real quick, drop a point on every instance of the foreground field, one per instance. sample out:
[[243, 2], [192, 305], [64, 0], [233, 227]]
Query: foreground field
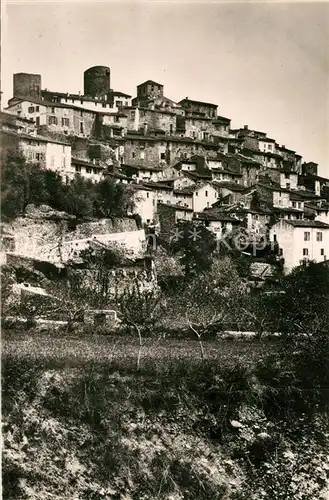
[[81, 423], [76, 349]]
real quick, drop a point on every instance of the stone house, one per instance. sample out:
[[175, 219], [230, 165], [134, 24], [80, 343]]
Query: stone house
[[285, 178], [140, 173], [163, 151], [150, 120], [88, 170], [56, 117], [48, 153], [217, 222], [111, 101], [199, 108], [197, 197], [14, 123], [169, 215]]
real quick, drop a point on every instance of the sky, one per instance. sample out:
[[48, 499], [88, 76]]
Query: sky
[[265, 64]]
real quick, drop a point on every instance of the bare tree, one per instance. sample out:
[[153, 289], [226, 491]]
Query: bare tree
[[140, 309]]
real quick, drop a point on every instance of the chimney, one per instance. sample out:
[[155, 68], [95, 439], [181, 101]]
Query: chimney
[[283, 146], [245, 127]]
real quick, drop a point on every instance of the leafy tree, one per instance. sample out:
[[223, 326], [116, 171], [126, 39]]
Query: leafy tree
[[79, 197], [195, 245], [56, 190], [22, 183], [111, 199]]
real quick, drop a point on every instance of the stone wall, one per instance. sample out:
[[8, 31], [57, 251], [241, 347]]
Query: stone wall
[[118, 279], [56, 240]]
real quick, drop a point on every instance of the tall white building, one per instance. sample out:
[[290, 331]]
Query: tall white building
[[301, 240]]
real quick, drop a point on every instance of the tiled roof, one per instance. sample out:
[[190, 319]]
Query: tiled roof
[[288, 210], [11, 116], [35, 100], [226, 171], [175, 206], [229, 185], [216, 216], [307, 223], [150, 81], [143, 167], [37, 138], [221, 119], [198, 102], [158, 185]]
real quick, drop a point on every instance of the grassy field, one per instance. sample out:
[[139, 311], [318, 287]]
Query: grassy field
[[79, 421], [70, 350]]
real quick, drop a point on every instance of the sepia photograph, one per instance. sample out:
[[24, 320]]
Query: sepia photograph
[[164, 250]]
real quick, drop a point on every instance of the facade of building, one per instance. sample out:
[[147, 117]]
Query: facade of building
[[300, 241], [198, 108], [218, 223], [49, 154], [144, 200], [62, 118]]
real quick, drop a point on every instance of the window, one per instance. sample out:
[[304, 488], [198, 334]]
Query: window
[[31, 109], [319, 236], [81, 101], [286, 176], [78, 169], [305, 251], [37, 121], [162, 156], [103, 104], [88, 170], [37, 108], [53, 110], [38, 156], [206, 193], [133, 155], [288, 185], [147, 195], [196, 194], [322, 251], [307, 236], [65, 122], [119, 104], [81, 127], [294, 204], [52, 120], [270, 146]]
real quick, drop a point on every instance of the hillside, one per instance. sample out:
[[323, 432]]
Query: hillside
[[91, 427]]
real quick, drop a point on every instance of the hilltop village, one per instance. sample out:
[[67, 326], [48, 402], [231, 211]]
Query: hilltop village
[[183, 161]]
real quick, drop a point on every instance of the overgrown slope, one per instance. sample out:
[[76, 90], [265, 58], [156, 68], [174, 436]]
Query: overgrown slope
[[173, 430]]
